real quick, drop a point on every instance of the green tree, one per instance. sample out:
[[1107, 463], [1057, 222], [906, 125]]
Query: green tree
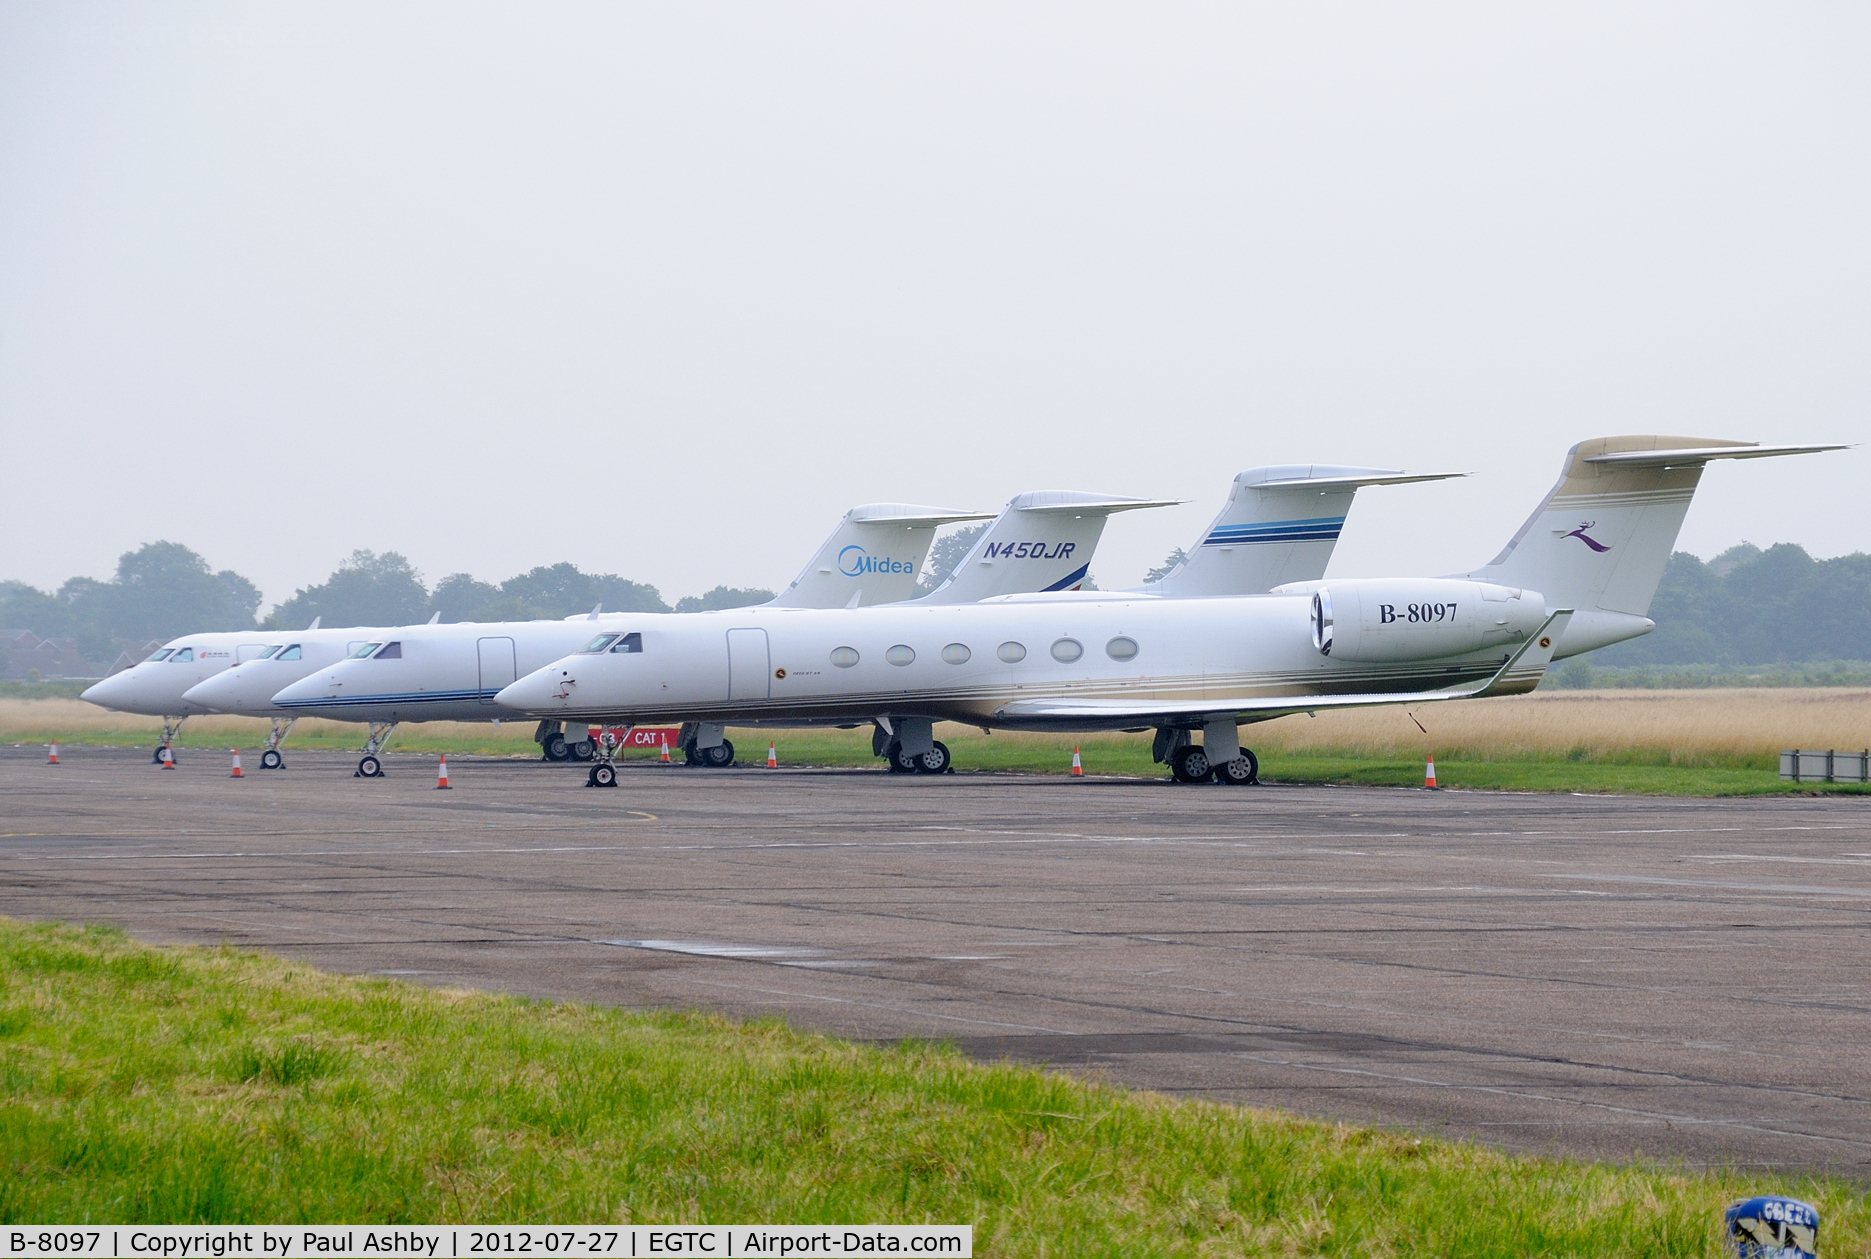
[[1173, 561], [722, 597], [949, 550], [367, 589]]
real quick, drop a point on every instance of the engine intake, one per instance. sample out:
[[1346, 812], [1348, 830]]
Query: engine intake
[[1395, 619]]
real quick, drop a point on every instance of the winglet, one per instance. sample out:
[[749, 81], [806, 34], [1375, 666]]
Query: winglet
[[1523, 670], [315, 621], [595, 609], [437, 618]]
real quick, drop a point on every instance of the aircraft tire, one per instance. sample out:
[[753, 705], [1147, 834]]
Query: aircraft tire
[[690, 755], [271, 759], [555, 747], [156, 756], [370, 767], [935, 761], [1242, 771], [898, 763], [583, 750], [603, 776], [718, 757], [1189, 764]]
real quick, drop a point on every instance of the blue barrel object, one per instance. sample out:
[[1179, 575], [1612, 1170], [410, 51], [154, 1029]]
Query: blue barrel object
[[1772, 1227]]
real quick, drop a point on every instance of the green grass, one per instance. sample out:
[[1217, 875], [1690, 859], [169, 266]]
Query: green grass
[[189, 1085]]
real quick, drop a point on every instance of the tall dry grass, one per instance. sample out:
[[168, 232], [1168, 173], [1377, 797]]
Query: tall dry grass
[[1710, 728]]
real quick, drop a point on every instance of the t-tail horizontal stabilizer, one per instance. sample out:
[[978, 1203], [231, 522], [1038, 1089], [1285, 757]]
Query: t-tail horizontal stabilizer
[[873, 556], [1279, 525], [1600, 539], [1043, 541]]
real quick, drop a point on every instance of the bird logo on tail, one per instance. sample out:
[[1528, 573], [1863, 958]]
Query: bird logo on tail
[[1580, 534]]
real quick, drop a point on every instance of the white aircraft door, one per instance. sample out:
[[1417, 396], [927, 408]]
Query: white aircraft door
[[748, 676], [497, 667]]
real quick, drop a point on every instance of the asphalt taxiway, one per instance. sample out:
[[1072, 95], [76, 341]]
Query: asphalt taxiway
[[1591, 975]]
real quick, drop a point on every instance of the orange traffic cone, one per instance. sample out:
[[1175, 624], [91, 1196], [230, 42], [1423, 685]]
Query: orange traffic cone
[[1429, 774], [168, 757], [236, 773], [665, 749], [53, 759], [773, 757], [1078, 769], [441, 775]]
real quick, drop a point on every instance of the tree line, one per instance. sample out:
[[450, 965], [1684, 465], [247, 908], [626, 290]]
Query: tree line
[[164, 589]]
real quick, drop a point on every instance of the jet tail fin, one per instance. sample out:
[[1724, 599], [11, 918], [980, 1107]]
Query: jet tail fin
[[1600, 539], [873, 556], [1279, 525], [1043, 540]]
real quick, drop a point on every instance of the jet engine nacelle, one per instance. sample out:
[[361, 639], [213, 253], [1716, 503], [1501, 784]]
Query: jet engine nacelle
[[1390, 618]]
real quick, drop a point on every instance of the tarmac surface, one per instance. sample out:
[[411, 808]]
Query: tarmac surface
[[1596, 976]]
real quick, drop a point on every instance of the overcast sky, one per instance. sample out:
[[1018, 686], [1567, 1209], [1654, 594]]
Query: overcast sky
[[664, 290]]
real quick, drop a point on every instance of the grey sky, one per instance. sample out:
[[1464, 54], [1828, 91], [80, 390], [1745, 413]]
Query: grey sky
[[663, 290]]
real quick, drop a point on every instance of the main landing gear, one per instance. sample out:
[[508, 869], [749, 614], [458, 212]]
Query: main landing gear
[[169, 730], [935, 761], [557, 743], [705, 745], [1190, 762], [370, 766], [908, 746], [270, 757]]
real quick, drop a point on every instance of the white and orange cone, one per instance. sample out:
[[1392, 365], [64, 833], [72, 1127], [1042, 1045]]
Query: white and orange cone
[[168, 757], [441, 775], [1429, 774], [773, 757], [53, 759], [1078, 768], [665, 749], [236, 773]]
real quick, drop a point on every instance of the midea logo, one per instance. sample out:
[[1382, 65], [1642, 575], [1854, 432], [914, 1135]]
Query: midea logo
[[853, 561]]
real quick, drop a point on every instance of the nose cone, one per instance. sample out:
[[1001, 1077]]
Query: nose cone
[[111, 692], [548, 690], [321, 686], [225, 692]]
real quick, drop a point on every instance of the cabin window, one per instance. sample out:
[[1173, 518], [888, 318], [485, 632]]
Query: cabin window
[[956, 653], [1066, 650], [1011, 653], [182, 656], [844, 657], [362, 650], [291, 653], [391, 651], [601, 643], [1121, 648], [900, 654], [159, 655], [629, 644]]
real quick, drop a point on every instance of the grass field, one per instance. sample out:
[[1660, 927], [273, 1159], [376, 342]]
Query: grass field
[[1696, 742], [189, 1085]]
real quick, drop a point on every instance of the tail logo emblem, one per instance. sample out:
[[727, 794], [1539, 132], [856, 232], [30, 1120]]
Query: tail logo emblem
[[1581, 535]]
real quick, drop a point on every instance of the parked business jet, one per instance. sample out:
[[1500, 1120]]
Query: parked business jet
[[159, 686], [1592, 553], [452, 672], [894, 538]]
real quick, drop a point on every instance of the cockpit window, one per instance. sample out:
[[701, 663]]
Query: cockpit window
[[159, 655], [267, 654], [182, 655], [629, 642], [391, 651], [291, 653], [601, 642], [363, 649]]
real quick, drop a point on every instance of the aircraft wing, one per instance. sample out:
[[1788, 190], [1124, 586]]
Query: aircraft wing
[[1520, 672]]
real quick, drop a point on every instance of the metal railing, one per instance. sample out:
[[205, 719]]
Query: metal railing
[[1801, 766]]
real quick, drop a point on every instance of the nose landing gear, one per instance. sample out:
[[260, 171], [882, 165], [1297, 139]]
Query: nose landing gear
[[169, 730], [371, 766], [270, 758], [604, 773]]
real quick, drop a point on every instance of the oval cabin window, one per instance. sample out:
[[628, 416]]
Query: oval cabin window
[[956, 653], [1121, 648], [844, 657], [1012, 653], [900, 655], [1066, 650]]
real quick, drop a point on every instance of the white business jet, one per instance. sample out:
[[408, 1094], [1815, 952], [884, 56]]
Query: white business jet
[[452, 672], [883, 544], [1591, 555], [161, 685]]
